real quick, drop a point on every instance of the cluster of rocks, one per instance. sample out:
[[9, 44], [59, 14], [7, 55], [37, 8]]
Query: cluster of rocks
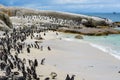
[[91, 31]]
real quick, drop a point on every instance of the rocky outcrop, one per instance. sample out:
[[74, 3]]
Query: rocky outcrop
[[91, 31], [88, 21], [5, 19], [117, 24], [5, 23]]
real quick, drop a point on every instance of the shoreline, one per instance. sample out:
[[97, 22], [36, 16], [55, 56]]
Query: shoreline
[[104, 50], [100, 47], [95, 45]]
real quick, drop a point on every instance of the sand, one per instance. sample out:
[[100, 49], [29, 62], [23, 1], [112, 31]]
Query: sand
[[73, 57]]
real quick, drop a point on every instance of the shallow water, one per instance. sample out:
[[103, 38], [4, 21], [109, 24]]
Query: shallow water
[[110, 44]]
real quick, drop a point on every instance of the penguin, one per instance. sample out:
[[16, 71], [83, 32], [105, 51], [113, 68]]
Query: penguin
[[72, 78], [67, 77], [28, 50], [42, 61], [35, 62]]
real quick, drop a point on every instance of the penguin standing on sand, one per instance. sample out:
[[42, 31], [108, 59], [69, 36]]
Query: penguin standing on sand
[[28, 50], [35, 62], [11, 64], [28, 70], [31, 45], [72, 78], [68, 77], [42, 61], [8, 70], [24, 74], [41, 48], [2, 65], [34, 75], [49, 48]]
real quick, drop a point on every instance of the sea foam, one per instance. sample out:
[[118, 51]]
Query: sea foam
[[107, 50]]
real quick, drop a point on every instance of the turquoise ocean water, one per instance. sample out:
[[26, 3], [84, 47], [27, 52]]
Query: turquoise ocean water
[[109, 44]]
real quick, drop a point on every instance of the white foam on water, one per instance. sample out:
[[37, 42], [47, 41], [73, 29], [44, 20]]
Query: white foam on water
[[107, 50], [68, 39]]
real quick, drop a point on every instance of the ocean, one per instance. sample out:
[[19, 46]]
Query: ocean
[[114, 17], [110, 43]]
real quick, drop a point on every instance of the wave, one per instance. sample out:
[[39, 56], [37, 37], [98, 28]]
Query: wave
[[107, 50]]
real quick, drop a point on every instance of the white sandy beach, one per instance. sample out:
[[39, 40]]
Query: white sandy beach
[[73, 57]]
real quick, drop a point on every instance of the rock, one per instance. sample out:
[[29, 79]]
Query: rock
[[79, 37], [102, 27], [53, 75], [5, 23], [88, 21], [3, 26], [91, 31], [116, 24]]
